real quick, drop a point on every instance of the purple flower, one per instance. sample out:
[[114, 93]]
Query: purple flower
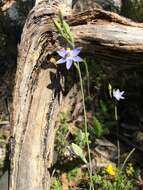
[[69, 56], [117, 94]]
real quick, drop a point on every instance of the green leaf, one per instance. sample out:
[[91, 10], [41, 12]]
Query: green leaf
[[103, 107], [79, 152], [58, 27], [67, 31], [61, 18], [98, 128], [66, 27]]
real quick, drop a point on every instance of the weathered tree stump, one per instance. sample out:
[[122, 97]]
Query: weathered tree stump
[[38, 93]]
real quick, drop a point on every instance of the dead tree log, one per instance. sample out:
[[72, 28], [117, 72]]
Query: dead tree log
[[38, 93], [108, 37]]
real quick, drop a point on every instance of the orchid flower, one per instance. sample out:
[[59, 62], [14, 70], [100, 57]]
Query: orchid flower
[[118, 95], [69, 56]]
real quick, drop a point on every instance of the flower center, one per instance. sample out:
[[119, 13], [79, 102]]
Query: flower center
[[68, 52]]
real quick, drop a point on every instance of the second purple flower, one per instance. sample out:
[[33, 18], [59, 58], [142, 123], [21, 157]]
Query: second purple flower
[[69, 56]]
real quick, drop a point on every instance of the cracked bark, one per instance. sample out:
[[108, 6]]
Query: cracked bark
[[37, 97]]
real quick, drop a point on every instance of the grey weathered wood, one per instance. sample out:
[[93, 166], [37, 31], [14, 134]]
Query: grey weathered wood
[[103, 35], [109, 37], [35, 106]]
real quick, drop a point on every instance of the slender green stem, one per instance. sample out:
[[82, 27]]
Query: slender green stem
[[69, 42], [62, 28], [117, 133], [127, 158], [116, 114], [85, 124], [87, 75], [118, 149]]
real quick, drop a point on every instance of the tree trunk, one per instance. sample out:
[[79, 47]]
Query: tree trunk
[[37, 95], [108, 37], [35, 105]]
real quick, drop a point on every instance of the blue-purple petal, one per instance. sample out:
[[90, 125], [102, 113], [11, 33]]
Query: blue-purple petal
[[60, 61], [75, 51], [77, 59], [69, 64], [62, 53]]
